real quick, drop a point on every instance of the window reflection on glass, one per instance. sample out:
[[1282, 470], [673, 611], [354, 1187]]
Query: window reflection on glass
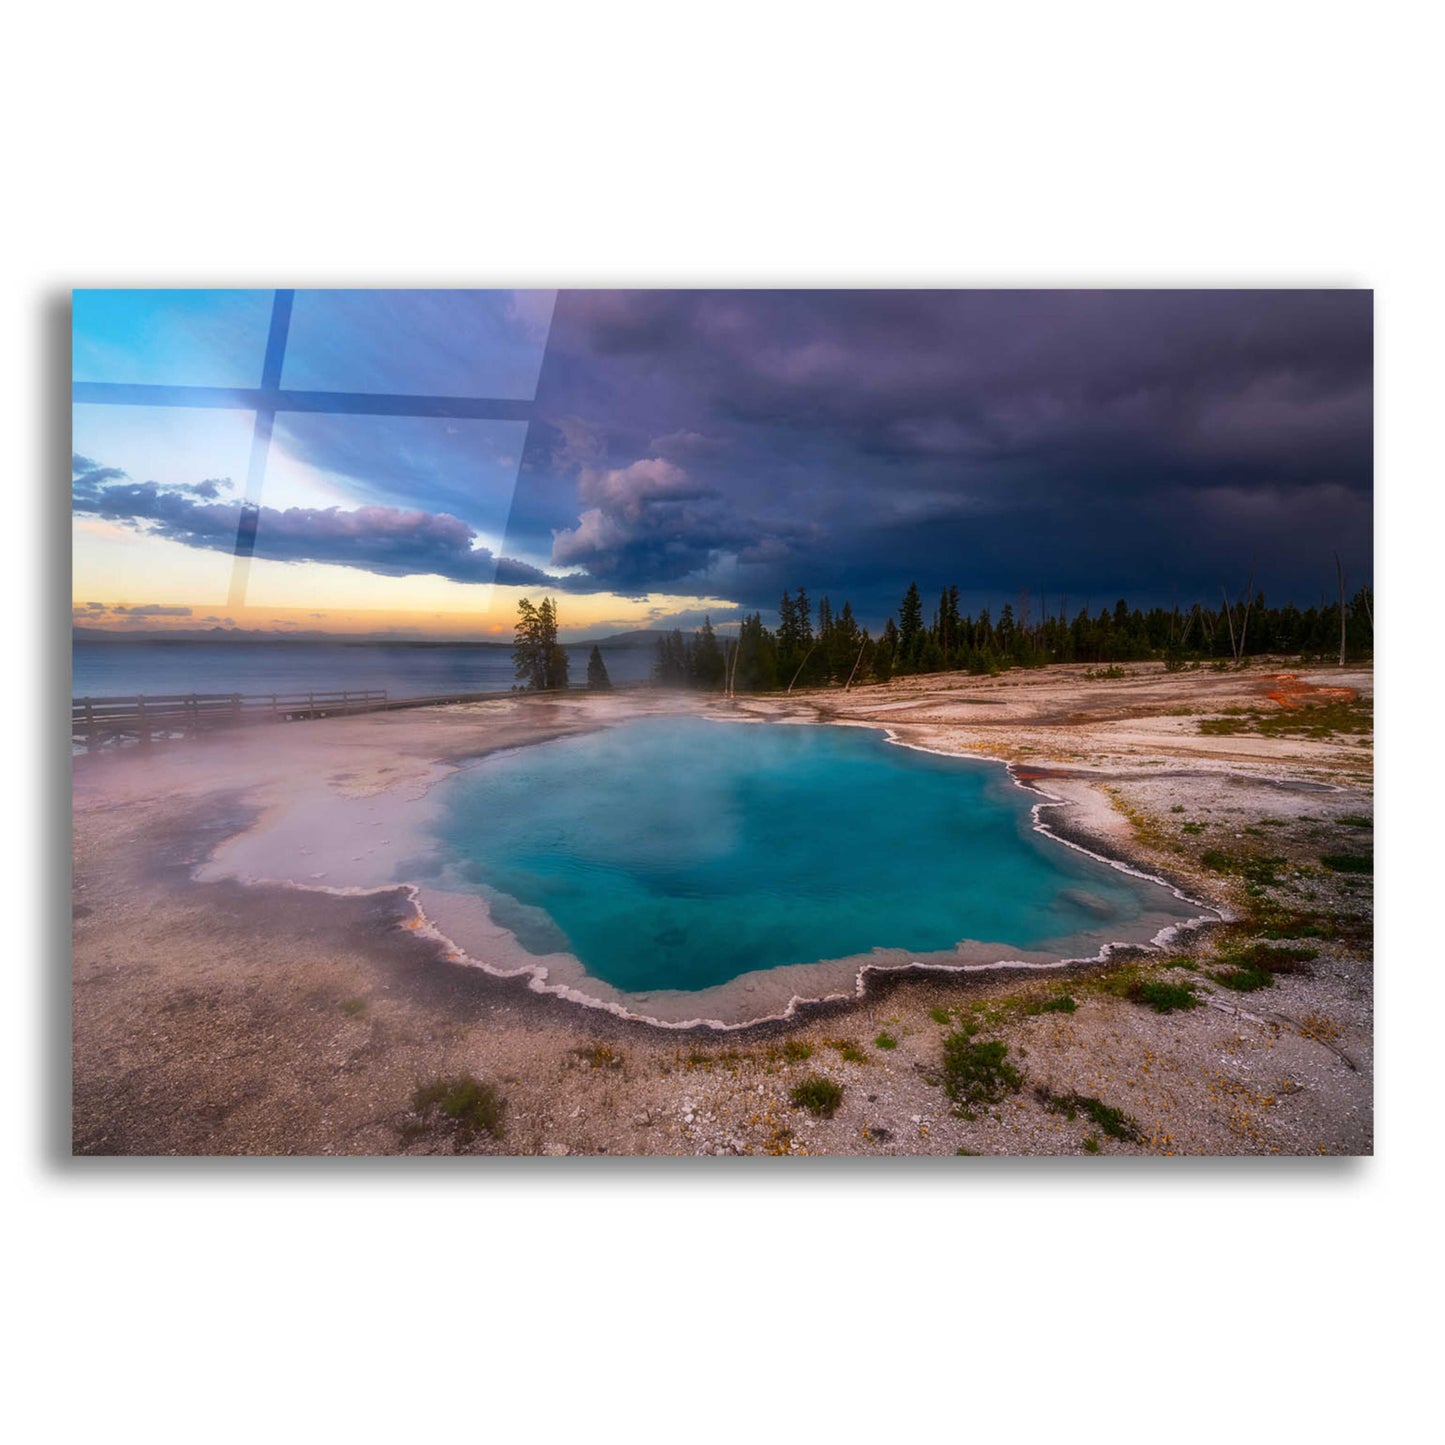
[[439, 491], [156, 492], [171, 338], [418, 343], [380, 440]]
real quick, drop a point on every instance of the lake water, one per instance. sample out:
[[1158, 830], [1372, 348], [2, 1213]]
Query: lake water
[[679, 853], [124, 669]]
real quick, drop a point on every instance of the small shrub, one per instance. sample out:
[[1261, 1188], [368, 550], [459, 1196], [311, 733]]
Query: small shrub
[[885, 1040], [465, 1102], [1244, 980], [977, 1072], [796, 1050], [940, 1015], [1113, 1122], [1348, 863], [1273, 958], [1163, 998], [1252, 867], [849, 1049], [1091, 1143], [818, 1096], [1063, 1004], [1248, 969], [599, 1056], [1316, 1026], [1275, 923]]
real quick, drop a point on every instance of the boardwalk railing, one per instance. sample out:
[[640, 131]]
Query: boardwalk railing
[[96, 722]]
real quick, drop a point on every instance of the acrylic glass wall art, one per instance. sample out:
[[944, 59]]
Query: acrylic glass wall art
[[723, 722]]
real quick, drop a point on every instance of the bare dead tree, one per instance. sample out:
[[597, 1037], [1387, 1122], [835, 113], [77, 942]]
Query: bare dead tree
[[1248, 603], [1188, 623], [733, 676], [1340, 573], [856, 661], [802, 665], [1229, 617]]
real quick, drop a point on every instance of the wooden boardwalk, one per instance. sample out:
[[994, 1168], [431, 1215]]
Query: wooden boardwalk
[[101, 722]]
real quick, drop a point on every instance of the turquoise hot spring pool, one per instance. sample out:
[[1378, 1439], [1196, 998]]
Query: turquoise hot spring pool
[[679, 853]]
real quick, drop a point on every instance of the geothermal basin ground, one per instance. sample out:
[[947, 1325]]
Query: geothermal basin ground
[[342, 1006]]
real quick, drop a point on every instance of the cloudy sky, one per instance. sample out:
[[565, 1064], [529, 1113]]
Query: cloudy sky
[[647, 456]]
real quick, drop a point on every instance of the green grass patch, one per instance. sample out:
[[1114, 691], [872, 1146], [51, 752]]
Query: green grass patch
[[977, 1071], [1348, 862], [1063, 1004], [796, 1050], [1355, 820], [850, 1049], [818, 1096], [1243, 980], [1256, 868], [463, 1101], [1163, 998], [1321, 721], [1249, 969], [1283, 923], [940, 1015], [885, 1040], [1272, 958], [353, 1008], [1113, 1122]]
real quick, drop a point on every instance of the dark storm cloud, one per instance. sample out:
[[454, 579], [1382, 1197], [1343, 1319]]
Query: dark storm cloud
[[390, 541], [1091, 441]]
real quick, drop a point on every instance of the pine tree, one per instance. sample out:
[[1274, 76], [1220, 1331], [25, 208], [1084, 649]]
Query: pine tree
[[705, 659], [556, 654], [597, 679], [910, 629], [528, 658], [757, 661], [538, 659], [886, 653], [670, 669]]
